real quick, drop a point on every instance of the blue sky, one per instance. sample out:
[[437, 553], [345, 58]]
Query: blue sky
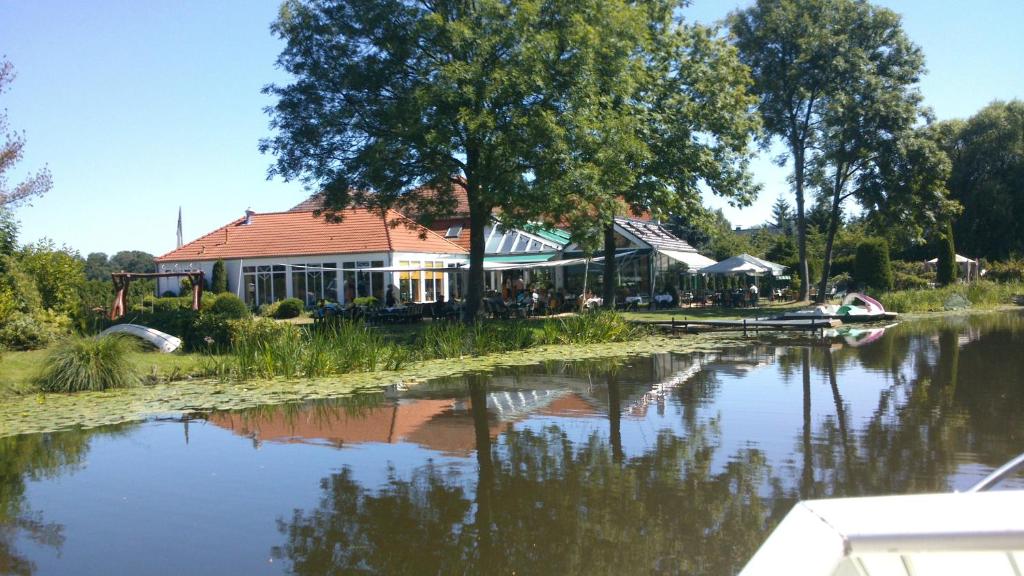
[[139, 107]]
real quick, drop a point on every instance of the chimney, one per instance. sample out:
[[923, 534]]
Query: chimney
[[248, 216]]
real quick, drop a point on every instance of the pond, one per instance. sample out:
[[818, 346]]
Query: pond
[[673, 463]]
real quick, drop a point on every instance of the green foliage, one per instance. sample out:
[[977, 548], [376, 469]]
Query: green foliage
[[289, 308], [589, 329], [97, 266], [8, 232], [980, 294], [946, 267], [219, 281], [58, 272], [22, 331], [987, 152], [911, 275], [1011, 270], [230, 306], [871, 268], [90, 364]]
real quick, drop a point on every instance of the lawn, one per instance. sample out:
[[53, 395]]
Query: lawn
[[19, 369]]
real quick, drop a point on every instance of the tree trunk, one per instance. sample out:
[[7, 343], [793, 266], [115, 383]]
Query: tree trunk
[[610, 266], [479, 214], [801, 222], [833, 227], [807, 477], [615, 417]]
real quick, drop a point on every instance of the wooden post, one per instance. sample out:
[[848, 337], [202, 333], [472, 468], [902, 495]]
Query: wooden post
[[744, 327], [673, 325]]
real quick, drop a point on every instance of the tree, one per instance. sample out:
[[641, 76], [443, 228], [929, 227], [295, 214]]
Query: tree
[[395, 102], [987, 154], [97, 266], [58, 272], [795, 51], [133, 261], [689, 123], [782, 215], [219, 280], [863, 118], [946, 267], [12, 146]]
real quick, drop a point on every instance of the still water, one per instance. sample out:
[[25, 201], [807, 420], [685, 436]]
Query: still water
[[674, 464]]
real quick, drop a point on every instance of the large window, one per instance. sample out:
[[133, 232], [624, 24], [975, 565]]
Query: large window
[[315, 281], [264, 284], [359, 284]]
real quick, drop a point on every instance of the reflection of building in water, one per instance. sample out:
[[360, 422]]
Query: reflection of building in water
[[446, 425]]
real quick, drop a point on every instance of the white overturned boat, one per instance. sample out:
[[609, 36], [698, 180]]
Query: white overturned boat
[[975, 532], [856, 307], [162, 341]]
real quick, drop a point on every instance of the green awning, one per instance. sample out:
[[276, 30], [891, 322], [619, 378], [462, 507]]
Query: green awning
[[522, 258]]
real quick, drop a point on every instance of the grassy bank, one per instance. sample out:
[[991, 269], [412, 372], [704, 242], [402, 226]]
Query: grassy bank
[[981, 295], [52, 412], [713, 312]]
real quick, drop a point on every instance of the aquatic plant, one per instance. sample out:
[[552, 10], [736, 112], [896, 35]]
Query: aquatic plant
[[592, 328], [90, 364], [980, 294]]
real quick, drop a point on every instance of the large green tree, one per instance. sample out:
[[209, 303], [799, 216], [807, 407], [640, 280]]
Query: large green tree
[[987, 154], [681, 117], [395, 102], [795, 51], [865, 115], [12, 150]]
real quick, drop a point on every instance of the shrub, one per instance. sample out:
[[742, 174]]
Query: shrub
[[946, 267], [367, 301], [871, 267], [230, 306], [289, 308], [219, 282], [1007, 271], [903, 281], [90, 364], [21, 331], [980, 294]]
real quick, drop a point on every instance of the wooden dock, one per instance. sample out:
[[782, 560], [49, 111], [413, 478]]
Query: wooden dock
[[745, 325]]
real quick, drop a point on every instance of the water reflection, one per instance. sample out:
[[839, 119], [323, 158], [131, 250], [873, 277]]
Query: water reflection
[[666, 464]]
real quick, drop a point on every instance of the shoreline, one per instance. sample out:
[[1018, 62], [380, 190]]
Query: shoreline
[[51, 412]]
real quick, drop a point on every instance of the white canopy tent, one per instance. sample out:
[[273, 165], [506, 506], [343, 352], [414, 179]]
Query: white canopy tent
[[968, 268], [694, 261], [744, 264]]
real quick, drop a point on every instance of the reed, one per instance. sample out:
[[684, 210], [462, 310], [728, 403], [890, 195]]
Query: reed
[[981, 294], [79, 364], [591, 328]]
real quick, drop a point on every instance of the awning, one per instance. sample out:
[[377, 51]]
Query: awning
[[490, 265], [744, 264], [693, 260], [521, 258]]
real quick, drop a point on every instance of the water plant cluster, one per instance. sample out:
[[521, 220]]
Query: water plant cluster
[[979, 294], [79, 364], [262, 349]]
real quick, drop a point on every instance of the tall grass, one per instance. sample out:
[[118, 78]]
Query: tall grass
[[593, 328], [265, 349], [79, 364], [981, 294]]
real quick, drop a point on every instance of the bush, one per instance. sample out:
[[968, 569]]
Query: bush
[[367, 301], [230, 306], [980, 294], [90, 364], [289, 308], [872, 268], [1007, 271], [21, 331], [903, 281]]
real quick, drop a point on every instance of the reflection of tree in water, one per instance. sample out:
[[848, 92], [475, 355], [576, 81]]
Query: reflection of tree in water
[[544, 504], [34, 457], [953, 389]]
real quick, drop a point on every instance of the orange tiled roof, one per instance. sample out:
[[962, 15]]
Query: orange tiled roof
[[301, 234]]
